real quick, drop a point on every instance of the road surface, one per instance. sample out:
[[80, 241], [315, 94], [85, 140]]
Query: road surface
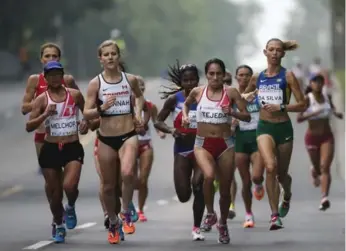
[[25, 217]]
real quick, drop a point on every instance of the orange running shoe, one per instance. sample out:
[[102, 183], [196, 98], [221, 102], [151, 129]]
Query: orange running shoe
[[128, 225], [113, 234], [249, 221], [258, 192]]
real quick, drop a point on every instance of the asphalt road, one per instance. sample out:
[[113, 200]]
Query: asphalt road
[[25, 217]]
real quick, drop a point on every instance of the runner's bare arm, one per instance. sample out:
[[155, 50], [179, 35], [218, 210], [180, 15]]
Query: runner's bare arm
[[139, 99], [37, 115], [147, 114], [27, 103], [252, 84], [191, 99], [90, 111], [153, 115], [167, 108], [300, 105], [243, 114], [70, 82]]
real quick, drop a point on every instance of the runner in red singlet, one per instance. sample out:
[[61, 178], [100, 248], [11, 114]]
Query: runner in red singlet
[[145, 151], [36, 84], [57, 109]]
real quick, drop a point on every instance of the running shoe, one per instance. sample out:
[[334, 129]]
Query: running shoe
[[275, 223], [113, 233], [53, 230], [204, 227], [231, 212], [60, 234], [134, 215], [197, 235], [210, 220], [70, 217], [284, 208], [106, 222], [224, 237], [121, 231], [128, 225], [325, 204], [142, 217], [258, 192], [249, 221]]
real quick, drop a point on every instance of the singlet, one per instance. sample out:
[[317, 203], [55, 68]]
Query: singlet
[[178, 114], [42, 85], [253, 108], [122, 91], [273, 90], [64, 123], [210, 111], [314, 106], [147, 135]]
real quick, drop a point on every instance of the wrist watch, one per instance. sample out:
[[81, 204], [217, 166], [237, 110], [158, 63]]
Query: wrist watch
[[282, 107]]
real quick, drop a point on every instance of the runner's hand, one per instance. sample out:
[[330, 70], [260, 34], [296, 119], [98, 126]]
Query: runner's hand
[[83, 127], [338, 115], [177, 134], [185, 122], [110, 101], [50, 110], [272, 108]]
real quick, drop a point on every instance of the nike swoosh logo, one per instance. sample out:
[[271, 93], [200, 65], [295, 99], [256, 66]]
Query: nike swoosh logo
[[263, 81], [124, 139]]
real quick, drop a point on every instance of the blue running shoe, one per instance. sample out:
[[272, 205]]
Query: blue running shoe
[[133, 212], [121, 231], [53, 230], [60, 235], [70, 217]]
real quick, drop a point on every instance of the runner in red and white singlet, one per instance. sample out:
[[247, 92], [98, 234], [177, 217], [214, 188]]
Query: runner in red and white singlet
[[36, 85], [57, 110], [145, 151], [214, 147]]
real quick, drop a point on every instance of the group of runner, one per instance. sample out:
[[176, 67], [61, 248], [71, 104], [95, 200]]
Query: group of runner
[[216, 129]]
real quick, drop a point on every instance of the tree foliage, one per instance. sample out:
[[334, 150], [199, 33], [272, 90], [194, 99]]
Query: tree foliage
[[158, 32], [24, 21]]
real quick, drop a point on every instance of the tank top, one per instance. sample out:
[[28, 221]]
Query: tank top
[[253, 108], [42, 85], [147, 135], [314, 106], [210, 111], [273, 90], [178, 114], [121, 90], [64, 123]]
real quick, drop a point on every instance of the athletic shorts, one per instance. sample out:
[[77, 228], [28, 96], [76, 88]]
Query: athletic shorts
[[215, 146], [183, 150], [281, 132], [115, 142], [39, 137], [55, 155], [246, 142], [315, 141]]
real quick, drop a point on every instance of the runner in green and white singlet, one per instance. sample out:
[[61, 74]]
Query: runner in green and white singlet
[[247, 151]]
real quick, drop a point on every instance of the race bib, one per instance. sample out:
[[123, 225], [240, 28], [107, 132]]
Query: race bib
[[63, 127], [273, 97], [193, 119]]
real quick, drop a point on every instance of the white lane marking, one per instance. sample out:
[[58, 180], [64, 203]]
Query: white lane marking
[[162, 202], [38, 245], [42, 244], [11, 190], [85, 225]]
